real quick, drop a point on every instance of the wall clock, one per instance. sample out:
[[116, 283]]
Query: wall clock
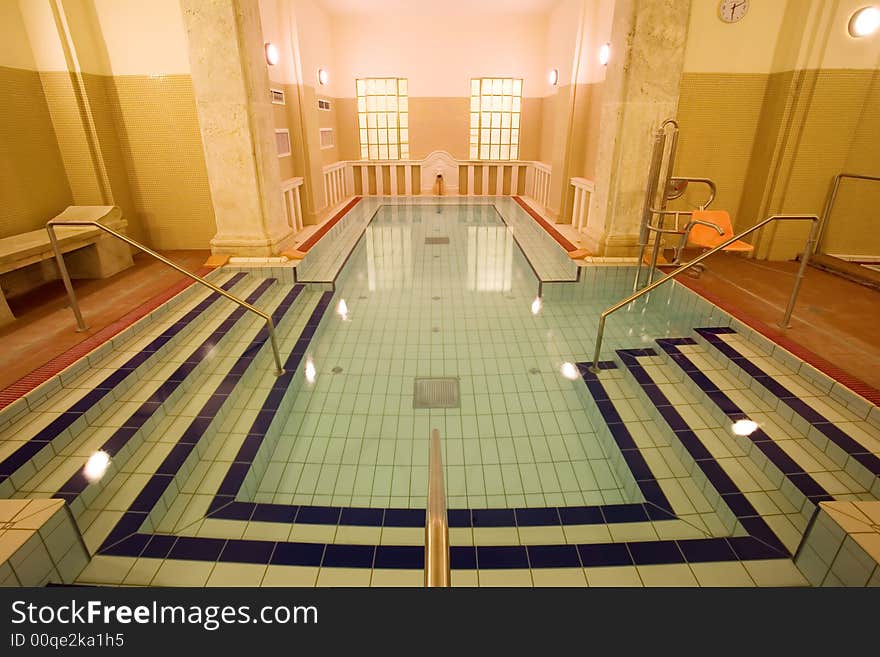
[[730, 11]]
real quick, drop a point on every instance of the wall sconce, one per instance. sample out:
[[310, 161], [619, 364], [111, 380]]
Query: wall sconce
[[554, 77], [323, 77], [864, 22], [604, 54], [272, 53]]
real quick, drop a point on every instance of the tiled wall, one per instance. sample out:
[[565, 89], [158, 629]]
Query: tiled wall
[[731, 124], [34, 186], [158, 132]]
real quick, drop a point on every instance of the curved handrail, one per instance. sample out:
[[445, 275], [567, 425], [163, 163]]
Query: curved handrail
[[832, 196], [808, 248], [81, 325], [436, 526]]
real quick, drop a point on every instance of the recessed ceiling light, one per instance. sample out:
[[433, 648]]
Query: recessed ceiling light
[[864, 22]]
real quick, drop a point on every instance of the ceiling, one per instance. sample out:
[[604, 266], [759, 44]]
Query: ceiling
[[430, 7]]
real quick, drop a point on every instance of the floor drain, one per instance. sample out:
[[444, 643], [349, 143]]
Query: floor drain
[[436, 329], [439, 392], [534, 370], [435, 298], [436, 240], [363, 296], [336, 370]]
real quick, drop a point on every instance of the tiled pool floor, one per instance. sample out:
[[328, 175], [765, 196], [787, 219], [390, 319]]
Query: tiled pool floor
[[223, 473]]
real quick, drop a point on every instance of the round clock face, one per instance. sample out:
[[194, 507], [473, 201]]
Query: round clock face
[[730, 11]]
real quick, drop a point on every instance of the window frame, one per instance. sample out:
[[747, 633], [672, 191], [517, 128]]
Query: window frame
[[495, 119], [383, 123]]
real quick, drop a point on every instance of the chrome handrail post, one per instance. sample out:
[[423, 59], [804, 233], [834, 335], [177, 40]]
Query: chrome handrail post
[[50, 228], [805, 260], [777, 217], [65, 276], [436, 525]]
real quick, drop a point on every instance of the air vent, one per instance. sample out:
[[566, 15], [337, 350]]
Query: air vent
[[282, 142], [323, 104], [327, 140], [277, 96], [436, 240], [436, 393]]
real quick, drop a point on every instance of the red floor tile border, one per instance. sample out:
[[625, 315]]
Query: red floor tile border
[[555, 234], [318, 234], [855, 384], [25, 384]]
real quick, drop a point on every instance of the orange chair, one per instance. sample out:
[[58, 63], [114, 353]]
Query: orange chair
[[706, 230], [709, 228]]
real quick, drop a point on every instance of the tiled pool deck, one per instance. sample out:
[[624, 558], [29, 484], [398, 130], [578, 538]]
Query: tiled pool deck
[[223, 473]]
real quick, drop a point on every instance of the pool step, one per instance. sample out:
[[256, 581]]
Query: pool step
[[32, 441], [139, 413], [837, 421], [145, 453], [202, 451]]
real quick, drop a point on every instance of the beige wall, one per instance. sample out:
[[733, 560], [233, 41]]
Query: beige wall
[[112, 121], [33, 183], [772, 107]]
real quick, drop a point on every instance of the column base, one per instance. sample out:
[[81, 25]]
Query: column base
[[251, 246]]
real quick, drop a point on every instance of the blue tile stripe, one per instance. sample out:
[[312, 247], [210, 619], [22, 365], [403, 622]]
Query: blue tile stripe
[[91, 399], [802, 480], [849, 445], [137, 512], [730, 494], [74, 486], [126, 539]]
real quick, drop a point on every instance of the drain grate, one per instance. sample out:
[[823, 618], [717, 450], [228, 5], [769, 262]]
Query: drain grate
[[436, 393], [436, 240]]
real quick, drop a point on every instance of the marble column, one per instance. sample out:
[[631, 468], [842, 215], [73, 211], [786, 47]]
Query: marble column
[[231, 84], [640, 91]]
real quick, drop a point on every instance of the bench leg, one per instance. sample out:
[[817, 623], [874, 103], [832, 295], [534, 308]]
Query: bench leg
[[108, 256]]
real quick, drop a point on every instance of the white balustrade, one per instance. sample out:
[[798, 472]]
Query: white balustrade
[[580, 210], [292, 202], [539, 189], [462, 177], [334, 184]]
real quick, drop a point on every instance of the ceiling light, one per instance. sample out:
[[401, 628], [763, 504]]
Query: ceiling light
[[323, 77], [864, 22], [272, 53], [554, 77], [604, 54]]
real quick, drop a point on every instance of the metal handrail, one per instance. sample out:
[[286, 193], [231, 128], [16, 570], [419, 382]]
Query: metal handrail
[[832, 196], [436, 527], [786, 319], [80, 323]]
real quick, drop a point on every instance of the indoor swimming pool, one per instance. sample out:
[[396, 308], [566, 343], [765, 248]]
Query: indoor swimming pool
[[696, 456]]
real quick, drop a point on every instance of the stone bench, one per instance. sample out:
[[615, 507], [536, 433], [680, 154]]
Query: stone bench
[[27, 260]]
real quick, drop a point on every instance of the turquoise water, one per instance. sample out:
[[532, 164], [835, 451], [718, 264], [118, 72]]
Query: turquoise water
[[463, 309]]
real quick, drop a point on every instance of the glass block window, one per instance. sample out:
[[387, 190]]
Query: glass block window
[[383, 118], [495, 112]]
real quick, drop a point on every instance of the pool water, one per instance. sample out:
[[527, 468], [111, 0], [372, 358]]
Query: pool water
[[222, 473]]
